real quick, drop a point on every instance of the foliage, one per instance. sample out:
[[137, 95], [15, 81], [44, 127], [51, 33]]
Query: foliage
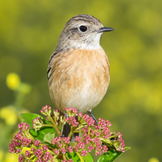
[[42, 140]]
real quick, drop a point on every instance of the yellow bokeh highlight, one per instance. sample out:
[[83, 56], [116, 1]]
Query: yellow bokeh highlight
[[13, 81], [1, 155], [11, 157], [153, 159], [9, 115]]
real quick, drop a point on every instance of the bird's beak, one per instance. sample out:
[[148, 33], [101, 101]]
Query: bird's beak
[[105, 29]]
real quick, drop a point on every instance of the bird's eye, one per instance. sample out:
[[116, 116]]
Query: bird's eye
[[83, 28]]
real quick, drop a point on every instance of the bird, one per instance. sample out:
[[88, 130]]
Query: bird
[[78, 70]]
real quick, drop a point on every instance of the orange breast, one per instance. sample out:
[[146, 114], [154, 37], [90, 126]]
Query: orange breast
[[79, 79]]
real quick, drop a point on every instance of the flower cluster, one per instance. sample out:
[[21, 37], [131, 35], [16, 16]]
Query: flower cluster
[[36, 150], [21, 139], [46, 110], [92, 136], [37, 123], [119, 142]]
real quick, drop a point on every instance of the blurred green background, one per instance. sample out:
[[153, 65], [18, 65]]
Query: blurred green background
[[29, 32]]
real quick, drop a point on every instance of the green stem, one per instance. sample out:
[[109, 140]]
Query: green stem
[[89, 130], [75, 130], [19, 100], [58, 131], [70, 134], [47, 125], [55, 126], [81, 159], [64, 157]]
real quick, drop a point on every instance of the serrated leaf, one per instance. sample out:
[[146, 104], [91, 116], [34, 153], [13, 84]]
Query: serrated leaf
[[111, 155], [39, 135]]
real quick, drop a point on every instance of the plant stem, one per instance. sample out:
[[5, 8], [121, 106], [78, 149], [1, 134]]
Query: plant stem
[[81, 159], [70, 134], [55, 126], [47, 125]]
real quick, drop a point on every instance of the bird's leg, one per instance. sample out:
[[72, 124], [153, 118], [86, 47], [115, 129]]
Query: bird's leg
[[75, 134], [90, 113], [66, 129]]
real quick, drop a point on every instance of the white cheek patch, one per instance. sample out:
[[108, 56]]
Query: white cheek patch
[[94, 43]]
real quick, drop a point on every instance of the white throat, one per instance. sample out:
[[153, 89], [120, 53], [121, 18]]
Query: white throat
[[94, 43]]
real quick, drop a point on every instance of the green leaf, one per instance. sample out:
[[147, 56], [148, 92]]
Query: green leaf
[[87, 158], [73, 156], [49, 137], [39, 135], [28, 118], [76, 158], [111, 155]]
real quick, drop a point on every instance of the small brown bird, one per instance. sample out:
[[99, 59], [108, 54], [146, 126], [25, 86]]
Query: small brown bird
[[78, 70]]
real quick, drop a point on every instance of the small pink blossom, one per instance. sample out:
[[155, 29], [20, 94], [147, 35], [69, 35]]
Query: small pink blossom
[[47, 156], [90, 147], [36, 142], [66, 140], [97, 134], [21, 158], [38, 153], [46, 110], [89, 120], [44, 147], [75, 148], [87, 138], [56, 140], [67, 160], [56, 151], [72, 121], [104, 149], [63, 151], [70, 149], [80, 114], [23, 126], [84, 153], [20, 140], [27, 154], [71, 111]]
